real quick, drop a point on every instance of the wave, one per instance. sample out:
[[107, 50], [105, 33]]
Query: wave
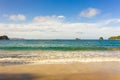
[[53, 48], [51, 57], [58, 61], [59, 45]]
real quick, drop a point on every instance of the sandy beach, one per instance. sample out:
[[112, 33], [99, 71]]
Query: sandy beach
[[70, 71], [59, 60], [59, 39]]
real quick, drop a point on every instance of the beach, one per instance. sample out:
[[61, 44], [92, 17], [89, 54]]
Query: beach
[[71, 71], [59, 39], [59, 60]]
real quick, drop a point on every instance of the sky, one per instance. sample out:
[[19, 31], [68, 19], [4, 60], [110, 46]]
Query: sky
[[59, 19]]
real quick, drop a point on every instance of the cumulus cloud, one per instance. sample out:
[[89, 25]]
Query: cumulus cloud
[[61, 17], [54, 27], [48, 18], [90, 12], [18, 17], [59, 30], [111, 21]]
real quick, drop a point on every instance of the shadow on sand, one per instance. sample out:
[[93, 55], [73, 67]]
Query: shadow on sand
[[23, 76]]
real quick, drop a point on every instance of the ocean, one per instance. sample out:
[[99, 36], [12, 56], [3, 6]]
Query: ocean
[[58, 51], [62, 45]]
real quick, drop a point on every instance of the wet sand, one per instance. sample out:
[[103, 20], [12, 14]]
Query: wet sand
[[71, 71]]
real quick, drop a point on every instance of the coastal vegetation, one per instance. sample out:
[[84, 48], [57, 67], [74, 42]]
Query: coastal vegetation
[[4, 37], [114, 38]]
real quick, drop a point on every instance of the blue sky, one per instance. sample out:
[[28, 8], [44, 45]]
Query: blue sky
[[59, 18], [68, 8]]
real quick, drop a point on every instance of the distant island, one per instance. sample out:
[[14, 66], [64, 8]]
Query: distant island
[[114, 38], [77, 38], [101, 38], [4, 37]]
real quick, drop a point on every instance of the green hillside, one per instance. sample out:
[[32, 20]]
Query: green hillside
[[114, 38]]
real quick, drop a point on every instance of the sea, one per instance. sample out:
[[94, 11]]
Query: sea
[[13, 52]]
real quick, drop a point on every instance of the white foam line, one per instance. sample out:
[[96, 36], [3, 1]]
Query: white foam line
[[72, 60], [10, 59]]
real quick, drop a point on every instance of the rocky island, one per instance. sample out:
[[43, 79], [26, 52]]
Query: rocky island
[[101, 38], [77, 38], [4, 37], [114, 38]]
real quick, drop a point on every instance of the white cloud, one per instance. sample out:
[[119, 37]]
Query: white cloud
[[61, 17], [50, 27], [90, 12], [115, 20], [18, 17], [48, 18]]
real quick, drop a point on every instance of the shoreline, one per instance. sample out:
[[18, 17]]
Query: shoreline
[[60, 65], [56, 57]]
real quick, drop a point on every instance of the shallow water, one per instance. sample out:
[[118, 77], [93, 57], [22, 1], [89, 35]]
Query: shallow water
[[63, 45], [58, 51], [48, 57]]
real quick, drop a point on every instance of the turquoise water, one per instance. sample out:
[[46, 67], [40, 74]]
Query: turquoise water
[[58, 51], [61, 45]]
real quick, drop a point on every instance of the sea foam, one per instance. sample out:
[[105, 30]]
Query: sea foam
[[51, 57]]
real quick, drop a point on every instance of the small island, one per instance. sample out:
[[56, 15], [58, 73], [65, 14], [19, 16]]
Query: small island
[[114, 38], [4, 37], [77, 38], [101, 38]]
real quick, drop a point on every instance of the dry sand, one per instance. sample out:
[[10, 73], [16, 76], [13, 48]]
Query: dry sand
[[71, 71]]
